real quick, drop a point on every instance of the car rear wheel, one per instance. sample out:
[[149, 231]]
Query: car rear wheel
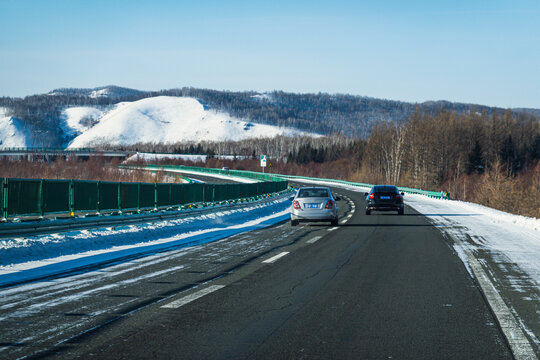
[[294, 222], [334, 222], [368, 212], [400, 212]]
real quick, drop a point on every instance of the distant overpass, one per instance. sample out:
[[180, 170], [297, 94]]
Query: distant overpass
[[47, 153]]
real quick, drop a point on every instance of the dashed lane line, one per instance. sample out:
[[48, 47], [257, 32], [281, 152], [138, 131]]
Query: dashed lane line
[[275, 258], [187, 299], [314, 240], [332, 229]]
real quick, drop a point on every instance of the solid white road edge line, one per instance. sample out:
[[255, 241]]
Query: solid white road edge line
[[332, 229], [187, 299], [314, 240], [275, 258], [519, 345]]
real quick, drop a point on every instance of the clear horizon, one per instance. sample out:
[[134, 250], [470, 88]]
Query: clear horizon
[[473, 52]]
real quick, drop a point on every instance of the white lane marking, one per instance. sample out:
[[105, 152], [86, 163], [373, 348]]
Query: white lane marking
[[187, 299], [275, 258], [332, 229], [344, 221], [520, 346], [314, 240]]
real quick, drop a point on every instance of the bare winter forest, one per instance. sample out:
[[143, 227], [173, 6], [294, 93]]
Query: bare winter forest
[[488, 158]]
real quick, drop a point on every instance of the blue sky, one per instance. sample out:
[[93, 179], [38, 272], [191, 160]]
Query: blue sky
[[485, 52]]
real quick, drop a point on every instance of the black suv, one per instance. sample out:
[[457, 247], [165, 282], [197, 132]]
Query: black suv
[[384, 198]]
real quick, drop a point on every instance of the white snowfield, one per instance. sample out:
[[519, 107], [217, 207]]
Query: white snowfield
[[79, 119], [12, 133], [162, 119]]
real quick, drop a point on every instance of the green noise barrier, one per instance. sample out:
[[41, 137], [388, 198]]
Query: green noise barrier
[[278, 177], [40, 197]]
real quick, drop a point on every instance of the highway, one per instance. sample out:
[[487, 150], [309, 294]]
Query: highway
[[376, 287]]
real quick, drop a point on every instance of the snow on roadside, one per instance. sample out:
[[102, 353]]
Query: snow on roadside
[[217, 176], [28, 258], [237, 179], [516, 237]]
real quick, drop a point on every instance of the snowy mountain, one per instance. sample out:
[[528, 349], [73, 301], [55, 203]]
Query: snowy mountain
[[62, 114], [12, 132], [161, 119]]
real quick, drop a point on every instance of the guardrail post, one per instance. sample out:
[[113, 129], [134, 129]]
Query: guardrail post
[[203, 191], [119, 197], [155, 196], [40, 197], [71, 198], [98, 202], [5, 198], [139, 197]]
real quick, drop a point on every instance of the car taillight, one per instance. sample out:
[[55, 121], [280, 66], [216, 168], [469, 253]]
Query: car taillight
[[296, 205], [329, 204], [371, 196], [398, 196]]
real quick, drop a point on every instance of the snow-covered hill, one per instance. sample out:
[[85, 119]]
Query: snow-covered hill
[[162, 119], [12, 133]]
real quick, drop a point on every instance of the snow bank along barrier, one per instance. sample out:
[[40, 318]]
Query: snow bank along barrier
[[40, 197]]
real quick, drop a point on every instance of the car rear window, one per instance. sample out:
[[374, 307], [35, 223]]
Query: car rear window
[[385, 189], [303, 193]]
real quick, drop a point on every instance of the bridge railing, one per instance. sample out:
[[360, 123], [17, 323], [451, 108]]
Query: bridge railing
[[40, 150]]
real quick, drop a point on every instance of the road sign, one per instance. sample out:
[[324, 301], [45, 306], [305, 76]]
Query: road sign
[[263, 160]]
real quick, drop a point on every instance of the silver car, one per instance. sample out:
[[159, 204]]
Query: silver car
[[313, 204]]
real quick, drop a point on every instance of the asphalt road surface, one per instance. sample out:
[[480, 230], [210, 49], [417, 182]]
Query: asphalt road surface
[[376, 287]]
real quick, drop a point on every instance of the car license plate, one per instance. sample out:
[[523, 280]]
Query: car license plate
[[312, 206], [385, 197]]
